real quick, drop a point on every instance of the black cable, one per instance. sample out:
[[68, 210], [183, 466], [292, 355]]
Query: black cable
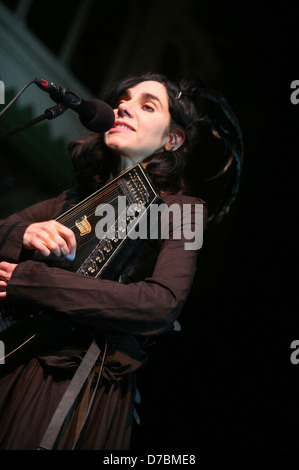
[[16, 97]]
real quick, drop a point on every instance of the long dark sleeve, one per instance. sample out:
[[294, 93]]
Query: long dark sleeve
[[13, 227], [146, 307]]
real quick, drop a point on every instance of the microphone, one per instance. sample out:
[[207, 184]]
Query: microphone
[[95, 115]]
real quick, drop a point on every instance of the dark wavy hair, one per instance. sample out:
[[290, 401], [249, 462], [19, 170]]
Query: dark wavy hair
[[213, 146]]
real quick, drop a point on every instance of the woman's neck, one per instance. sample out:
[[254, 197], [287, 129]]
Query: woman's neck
[[126, 162]]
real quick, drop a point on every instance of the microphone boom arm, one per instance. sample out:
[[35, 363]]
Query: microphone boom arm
[[50, 113]]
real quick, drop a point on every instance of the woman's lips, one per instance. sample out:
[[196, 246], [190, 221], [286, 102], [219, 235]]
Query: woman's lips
[[121, 126]]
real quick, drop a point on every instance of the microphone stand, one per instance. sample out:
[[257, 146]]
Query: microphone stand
[[50, 113]]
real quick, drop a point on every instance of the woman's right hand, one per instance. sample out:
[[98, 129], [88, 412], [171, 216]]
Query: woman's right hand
[[50, 237]]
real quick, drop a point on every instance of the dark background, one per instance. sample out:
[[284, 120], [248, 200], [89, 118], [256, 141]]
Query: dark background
[[225, 381]]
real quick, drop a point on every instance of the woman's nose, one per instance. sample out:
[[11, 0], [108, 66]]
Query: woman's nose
[[125, 109]]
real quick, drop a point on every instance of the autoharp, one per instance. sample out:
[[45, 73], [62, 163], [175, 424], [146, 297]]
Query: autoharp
[[117, 209]]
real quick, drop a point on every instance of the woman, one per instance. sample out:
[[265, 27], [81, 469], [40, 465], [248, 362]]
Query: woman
[[158, 123]]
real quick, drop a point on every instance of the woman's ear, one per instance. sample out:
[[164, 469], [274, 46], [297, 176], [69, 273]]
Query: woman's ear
[[177, 138]]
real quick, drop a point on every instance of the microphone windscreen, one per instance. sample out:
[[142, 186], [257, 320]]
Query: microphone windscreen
[[103, 116]]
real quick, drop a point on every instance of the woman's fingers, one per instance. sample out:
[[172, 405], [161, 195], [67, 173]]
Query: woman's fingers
[[50, 237], [3, 287], [6, 270], [67, 242]]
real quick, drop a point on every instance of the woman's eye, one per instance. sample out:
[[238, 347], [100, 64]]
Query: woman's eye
[[148, 107]]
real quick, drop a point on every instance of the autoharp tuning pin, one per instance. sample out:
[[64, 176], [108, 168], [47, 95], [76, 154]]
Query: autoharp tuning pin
[[108, 246]]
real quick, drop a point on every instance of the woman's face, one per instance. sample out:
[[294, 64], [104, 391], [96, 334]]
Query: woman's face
[[142, 121]]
